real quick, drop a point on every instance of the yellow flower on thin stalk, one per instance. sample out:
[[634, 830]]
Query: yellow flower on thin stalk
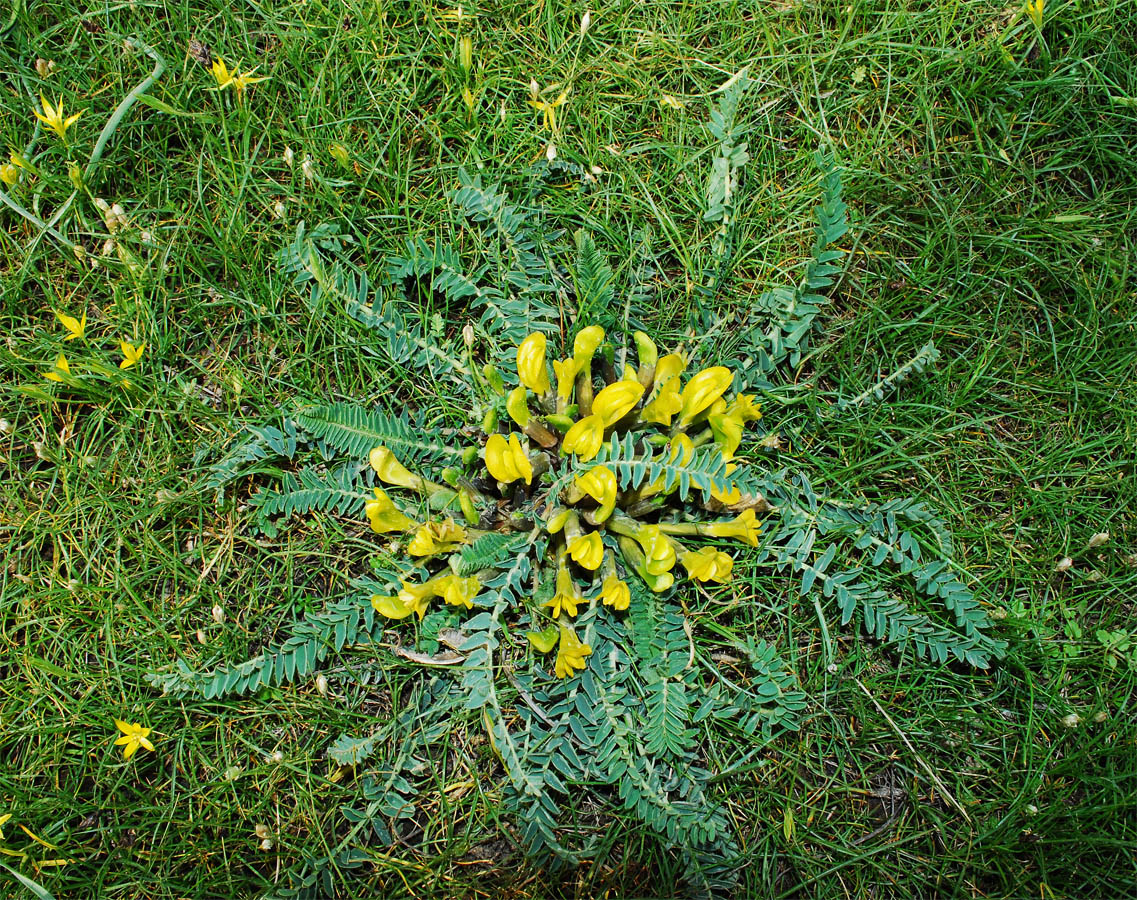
[[547, 108], [53, 117], [130, 354], [133, 737], [234, 79], [75, 327], [61, 369], [570, 654]]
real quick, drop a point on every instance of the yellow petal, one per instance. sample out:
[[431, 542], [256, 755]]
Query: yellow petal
[[617, 400], [587, 550], [584, 438], [531, 363], [703, 390]]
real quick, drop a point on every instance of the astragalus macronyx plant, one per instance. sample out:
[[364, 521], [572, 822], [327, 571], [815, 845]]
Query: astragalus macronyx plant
[[600, 482], [556, 560]]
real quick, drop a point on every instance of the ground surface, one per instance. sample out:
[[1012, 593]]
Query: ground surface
[[990, 172]]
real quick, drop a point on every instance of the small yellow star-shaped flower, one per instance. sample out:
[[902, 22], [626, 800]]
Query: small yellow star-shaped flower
[[53, 117]]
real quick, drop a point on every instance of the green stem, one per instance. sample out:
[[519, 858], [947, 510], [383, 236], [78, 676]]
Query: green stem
[[127, 102]]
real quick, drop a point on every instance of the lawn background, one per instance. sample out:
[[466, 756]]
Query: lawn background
[[989, 168]]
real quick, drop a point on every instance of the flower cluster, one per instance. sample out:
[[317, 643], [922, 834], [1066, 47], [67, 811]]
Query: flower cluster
[[547, 469], [77, 330]]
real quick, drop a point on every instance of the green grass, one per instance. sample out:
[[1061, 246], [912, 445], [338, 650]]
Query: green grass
[[990, 172]]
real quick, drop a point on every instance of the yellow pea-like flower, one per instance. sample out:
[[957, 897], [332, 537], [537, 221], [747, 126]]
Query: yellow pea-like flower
[[517, 406], [457, 591], [667, 400], [417, 596], [615, 593], [585, 344], [703, 390], [659, 552], [566, 371], [708, 564], [744, 408], [437, 537], [584, 438], [391, 471], [570, 654], [531, 363], [743, 528], [587, 550], [727, 431], [600, 484], [391, 607], [385, 516], [617, 400], [507, 461], [567, 596]]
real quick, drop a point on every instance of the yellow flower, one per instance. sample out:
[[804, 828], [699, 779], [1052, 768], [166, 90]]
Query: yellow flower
[[517, 406], [416, 597], [130, 354], [60, 367], [584, 438], [74, 326], [393, 607], [744, 408], [708, 564], [457, 591], [587, 550], [570, 654], [727, 431], [702, 390], [436, 537], [9, 174], [743, 528], [233, 79], [567, 595], [507, 460], [385, 516], [391, 471], [585, 344], [634, 556], [615, 593], [659, 552], [566, 372], [53, 118], [616, 401], [666, 402], [531, 363], [600, 484], [548, 109], [133, 737]]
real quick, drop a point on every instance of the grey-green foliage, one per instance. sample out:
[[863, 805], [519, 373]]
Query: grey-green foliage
[[840, 550], [349, 620]]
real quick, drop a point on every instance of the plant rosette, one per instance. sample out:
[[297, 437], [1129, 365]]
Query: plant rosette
[[637, 479]]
